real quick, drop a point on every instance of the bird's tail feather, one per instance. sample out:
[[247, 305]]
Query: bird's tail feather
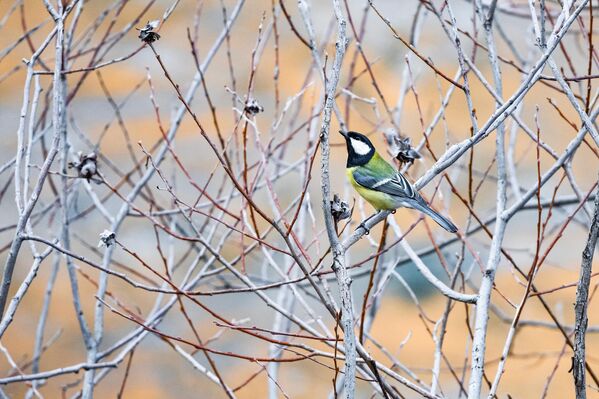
[[440, 219]]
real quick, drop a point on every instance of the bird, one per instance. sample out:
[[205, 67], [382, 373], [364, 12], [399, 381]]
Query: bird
[[379, 183]]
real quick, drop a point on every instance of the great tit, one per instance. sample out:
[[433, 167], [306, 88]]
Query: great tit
[[381, 184]]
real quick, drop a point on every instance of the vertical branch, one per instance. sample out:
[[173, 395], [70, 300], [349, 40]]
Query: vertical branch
[[60, 123], [41, 325], [581, 305], [15, 245], [488, 278], [338, 251]]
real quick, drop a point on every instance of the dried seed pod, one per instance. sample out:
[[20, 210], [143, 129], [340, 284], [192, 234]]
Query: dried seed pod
[[107, 238], [339, 209], [253, 108], [147, 34], [86, 165], [401, 148]]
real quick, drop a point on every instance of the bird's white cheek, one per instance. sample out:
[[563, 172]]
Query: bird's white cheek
[[359, 147]]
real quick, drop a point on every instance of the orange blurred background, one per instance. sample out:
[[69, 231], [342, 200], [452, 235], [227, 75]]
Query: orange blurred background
[[156, 370]]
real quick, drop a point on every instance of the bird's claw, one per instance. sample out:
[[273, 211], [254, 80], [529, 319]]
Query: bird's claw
[[363, 226]]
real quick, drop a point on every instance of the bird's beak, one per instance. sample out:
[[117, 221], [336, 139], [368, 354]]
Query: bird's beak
[[344, 134]]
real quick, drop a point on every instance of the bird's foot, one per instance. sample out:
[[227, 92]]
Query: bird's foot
[[363, 226]]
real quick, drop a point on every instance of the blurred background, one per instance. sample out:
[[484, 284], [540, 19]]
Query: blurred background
[[112, 110]]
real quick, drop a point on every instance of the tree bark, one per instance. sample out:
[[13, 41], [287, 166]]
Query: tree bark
[[581, 306]]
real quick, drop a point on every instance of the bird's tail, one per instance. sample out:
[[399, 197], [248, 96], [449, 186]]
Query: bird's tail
[[440, 219]]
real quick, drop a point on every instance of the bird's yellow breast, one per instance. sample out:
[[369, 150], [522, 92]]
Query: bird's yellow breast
[[379, 200]]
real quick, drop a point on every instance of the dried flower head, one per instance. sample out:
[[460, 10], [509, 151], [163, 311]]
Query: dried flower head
[[401, 148], [147, 34], [253, 108], [339, 209], [107, 238], [86, 165]]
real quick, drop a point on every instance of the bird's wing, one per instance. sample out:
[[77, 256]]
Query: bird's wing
[[393, 184]]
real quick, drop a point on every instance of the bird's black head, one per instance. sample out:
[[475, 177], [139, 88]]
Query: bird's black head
[[359, 148]]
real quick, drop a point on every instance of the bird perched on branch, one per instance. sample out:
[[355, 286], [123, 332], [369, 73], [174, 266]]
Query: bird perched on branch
[[381, 184]]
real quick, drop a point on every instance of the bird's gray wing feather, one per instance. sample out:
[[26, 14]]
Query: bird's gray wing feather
[[395, 185], [401, 189]]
